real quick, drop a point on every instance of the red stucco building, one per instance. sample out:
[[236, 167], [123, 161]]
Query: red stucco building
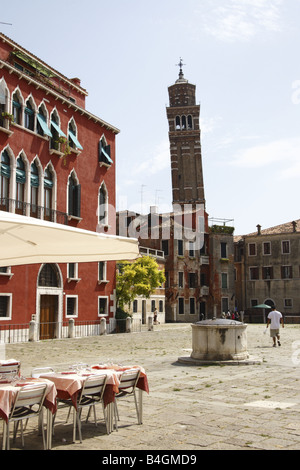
[[57, 163]]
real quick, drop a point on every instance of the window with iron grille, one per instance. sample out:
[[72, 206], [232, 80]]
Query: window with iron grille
[[102, 306], [71, 308], [49, 276], [5, 303]]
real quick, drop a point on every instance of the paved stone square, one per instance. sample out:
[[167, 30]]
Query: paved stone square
[[189, 408]]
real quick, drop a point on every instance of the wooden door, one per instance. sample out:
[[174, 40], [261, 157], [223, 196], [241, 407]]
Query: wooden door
[[48, 316]]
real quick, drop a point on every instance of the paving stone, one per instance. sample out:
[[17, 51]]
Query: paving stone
[[244, 407]]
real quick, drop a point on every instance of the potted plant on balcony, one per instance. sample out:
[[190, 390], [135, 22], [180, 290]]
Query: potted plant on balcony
[[65, 149], [9, 117]]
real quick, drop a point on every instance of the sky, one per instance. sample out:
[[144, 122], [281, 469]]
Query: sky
[[243, 57]]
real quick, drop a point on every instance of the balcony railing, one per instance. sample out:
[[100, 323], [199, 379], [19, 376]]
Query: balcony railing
[[151, 252], [33, 210]]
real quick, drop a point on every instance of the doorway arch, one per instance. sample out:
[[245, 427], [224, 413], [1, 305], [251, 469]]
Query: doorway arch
[[269, 302], [49, 301], [267, 310]]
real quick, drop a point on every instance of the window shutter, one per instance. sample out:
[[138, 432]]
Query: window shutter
[[107, 150], [77, 200], [71, 199], [104, 154]]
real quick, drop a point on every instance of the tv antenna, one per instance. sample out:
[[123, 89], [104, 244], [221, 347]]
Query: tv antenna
[[142, 194], [2, 22]]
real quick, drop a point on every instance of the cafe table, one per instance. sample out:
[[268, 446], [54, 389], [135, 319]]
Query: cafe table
[[9, 362], [69, 383], [8, 393], [142, 385], [9, 367]]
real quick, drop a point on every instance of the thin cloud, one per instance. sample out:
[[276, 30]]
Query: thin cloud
[[243, 19], [284, 151], [158, 161], [209, 125]]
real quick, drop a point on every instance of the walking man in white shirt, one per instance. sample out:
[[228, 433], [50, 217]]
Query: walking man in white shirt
[[275, 318]]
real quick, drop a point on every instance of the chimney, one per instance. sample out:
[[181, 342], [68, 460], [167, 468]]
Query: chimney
[[294, 226], [258, 229], [153, 209], [76, 80]]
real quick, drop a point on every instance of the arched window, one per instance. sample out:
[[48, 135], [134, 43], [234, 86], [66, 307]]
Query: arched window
[[20, 186], [3, 103], [104, 153], [4, 181], [48, 193], [49, 276], [42, 126], [29, 116], [103, 206], [183, 122], [17, 108], [72, 136], [34, 189], [56, 132], [74, 196]]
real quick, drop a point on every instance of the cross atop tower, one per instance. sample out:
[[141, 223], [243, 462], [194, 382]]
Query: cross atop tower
[[180, 68]]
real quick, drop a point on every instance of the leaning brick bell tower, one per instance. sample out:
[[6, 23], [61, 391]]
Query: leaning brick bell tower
[[185, 146]]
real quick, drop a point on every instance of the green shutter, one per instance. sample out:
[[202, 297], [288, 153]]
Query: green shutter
[[58, 129], [77, 200], [104, 154], [43, 124], [75, 141]]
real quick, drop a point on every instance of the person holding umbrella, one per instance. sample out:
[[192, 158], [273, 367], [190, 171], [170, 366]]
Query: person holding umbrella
[[275, 319]]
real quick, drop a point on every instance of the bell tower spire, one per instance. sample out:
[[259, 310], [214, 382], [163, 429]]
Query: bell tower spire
[[181, 76]]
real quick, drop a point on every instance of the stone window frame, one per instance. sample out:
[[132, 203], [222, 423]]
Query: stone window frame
[[250, 245], [8, 315], [75, 312]]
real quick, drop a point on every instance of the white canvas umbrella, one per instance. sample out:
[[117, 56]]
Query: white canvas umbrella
[[26, 240]]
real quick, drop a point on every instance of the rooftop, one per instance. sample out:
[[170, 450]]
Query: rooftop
[[48, 79], [288, 227]]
